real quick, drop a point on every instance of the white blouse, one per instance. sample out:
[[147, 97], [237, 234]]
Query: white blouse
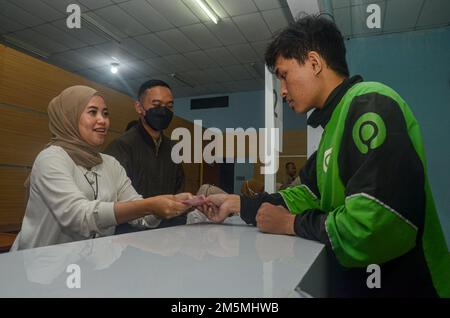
[[62, 206]]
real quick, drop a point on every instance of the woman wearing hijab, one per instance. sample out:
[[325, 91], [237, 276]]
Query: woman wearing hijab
[[74, 191]]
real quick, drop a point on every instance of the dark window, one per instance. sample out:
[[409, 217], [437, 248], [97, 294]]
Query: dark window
[[212, 102]]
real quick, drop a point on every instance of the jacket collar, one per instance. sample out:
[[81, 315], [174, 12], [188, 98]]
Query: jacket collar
[[322, 116]]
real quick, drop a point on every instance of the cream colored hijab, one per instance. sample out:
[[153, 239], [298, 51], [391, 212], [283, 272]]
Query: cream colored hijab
[[64, 113]]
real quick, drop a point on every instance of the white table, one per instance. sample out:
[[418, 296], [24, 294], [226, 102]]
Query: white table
[[200, 260]]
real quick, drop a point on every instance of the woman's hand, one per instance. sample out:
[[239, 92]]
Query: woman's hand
[[162, 206], [168, 206], [183, 196]]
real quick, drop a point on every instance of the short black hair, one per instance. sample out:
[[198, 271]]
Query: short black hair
[[289, 163], [149, 84], [309, 33]]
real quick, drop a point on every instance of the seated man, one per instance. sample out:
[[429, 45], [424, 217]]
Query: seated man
[[364, 193], [145, 152], [291, 178]]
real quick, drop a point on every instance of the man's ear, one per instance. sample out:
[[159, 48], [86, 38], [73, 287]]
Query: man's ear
[[316, 62], [139, 109]]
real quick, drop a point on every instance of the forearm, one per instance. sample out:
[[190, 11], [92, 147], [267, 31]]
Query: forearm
[[127, 211]]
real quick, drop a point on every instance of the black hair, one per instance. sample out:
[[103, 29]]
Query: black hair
[[289, 163], [149, 84], [309, 33]]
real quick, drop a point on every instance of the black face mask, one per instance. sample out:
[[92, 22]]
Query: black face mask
[[158, 118]]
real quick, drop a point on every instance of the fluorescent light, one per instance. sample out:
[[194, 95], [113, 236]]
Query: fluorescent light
[[95, 26], [207, 10], [175, 76], [25, 46], [114, 68]]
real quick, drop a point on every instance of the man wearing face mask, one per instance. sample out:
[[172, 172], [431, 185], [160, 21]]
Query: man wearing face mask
[[145, 152]]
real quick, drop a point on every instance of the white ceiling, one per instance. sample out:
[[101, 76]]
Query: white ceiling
[[161, 37], [157, 38], [396, 16]]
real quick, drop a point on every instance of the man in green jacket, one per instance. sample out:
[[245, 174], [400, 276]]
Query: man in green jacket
[[364, 193]]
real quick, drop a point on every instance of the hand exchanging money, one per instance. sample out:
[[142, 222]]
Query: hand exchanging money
[[218, 207], [195, 201], [181, 197]]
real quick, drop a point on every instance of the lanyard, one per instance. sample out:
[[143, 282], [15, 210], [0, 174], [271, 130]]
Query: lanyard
[[91, 181]]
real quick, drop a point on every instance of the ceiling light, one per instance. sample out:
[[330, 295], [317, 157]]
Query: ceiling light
[[114, 67], [209, 12]]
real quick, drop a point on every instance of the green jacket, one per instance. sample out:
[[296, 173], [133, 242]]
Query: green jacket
[[365, 195]]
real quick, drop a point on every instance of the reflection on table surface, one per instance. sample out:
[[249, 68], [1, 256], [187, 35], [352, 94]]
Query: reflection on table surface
[[199, 260]]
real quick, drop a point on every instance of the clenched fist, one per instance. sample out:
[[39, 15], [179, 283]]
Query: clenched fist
[[275, 219]]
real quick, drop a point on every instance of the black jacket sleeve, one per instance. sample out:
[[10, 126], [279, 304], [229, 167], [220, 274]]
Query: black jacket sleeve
[[311, 225], [250, 206]]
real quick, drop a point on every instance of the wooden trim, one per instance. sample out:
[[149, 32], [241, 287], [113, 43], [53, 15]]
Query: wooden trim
[[6, 241], [10, 228]]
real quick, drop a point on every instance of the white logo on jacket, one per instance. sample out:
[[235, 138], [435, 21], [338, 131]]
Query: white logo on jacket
[[326, 159]]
